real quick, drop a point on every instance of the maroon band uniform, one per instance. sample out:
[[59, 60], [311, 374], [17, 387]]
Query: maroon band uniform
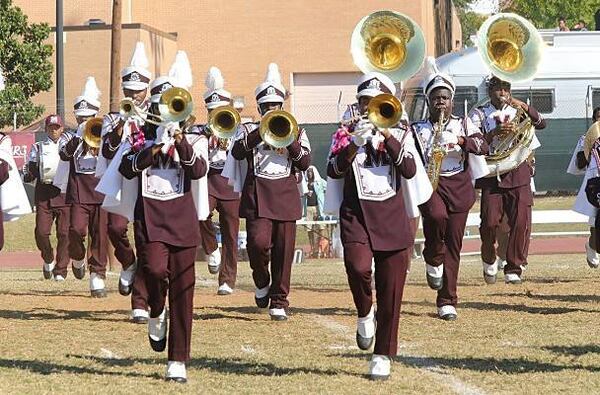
[[87, 215], [365, 232], [511, 195], [166, 233], [221, 197], [270, 202], [445, 214], [51, 207]]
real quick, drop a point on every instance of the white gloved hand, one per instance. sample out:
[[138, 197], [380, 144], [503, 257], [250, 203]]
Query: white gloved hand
[[377, 139], [166, 137], [449, 138], [362, 133], [359, 140]]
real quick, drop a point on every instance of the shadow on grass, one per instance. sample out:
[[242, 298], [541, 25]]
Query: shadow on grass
[[63, 315], [557, 298], [221, 365], [340, 311], [575, 350], [217, 316], [47, 368], [521, 308], [46, 293]]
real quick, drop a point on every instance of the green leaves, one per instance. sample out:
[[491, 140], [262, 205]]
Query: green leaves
[[545, 13], [24, 60]]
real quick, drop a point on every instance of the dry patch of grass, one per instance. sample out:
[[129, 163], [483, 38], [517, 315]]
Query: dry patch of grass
[[534, 338]]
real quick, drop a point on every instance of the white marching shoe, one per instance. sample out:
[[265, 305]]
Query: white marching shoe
[[157, 331], [139, 316], [59, 278], [447, 313], [47, 269], [224, 289], [278, 315], [126, 279], [435, 276], [176, 372], [214, 261], [379, 367], [490, 271], [365, 330], [592, 257], [97, 287], [512, 278]]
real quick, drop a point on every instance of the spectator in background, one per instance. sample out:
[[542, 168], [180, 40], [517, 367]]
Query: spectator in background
[[313, 202], [562, 25], [597, 19], [580, 26], [457, 46]]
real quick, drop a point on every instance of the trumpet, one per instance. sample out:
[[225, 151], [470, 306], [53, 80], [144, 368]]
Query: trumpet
[[278, 128], [383, 111], [223, 122], [92, 132]]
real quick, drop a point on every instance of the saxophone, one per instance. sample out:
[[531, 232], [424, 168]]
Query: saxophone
[[437, 153]]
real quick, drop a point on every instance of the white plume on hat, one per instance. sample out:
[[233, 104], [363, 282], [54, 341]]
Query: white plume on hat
[[181, 71], [215, 95], [273, 79], [435, 78], [1, 80], [139, 63], [90, 94]]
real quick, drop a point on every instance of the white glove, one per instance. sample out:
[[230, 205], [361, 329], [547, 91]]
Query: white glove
[[363, 132], [377, 139], [449, 138], [166, 137]]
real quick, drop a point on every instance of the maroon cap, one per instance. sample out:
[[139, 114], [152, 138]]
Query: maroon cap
[[53, 120]]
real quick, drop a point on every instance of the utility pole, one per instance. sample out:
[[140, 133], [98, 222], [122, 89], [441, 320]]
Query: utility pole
[[60, 66], [115, 56]]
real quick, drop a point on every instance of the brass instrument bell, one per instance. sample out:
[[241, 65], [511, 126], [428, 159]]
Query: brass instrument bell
[[92, 132], [384, 110], [223, 121], [278, 128], [175, 105]]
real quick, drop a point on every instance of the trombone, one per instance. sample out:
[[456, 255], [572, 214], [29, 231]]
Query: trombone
[[383, 111], [175, 105], [223, 122], [92, 132], [278, 128]]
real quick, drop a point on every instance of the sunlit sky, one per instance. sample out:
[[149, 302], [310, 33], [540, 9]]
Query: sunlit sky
[[485, 6]]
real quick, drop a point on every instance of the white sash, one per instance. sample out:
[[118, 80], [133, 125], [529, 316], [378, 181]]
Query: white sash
[[13, 197]]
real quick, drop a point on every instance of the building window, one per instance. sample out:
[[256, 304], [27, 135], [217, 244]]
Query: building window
[[465, 98], [595, 97], [541, 99]]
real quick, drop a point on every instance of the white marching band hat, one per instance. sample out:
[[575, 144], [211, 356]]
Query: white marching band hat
[[373, 84], [158, 86], [215, 95], [180, 75], [88, 103], [437, 79], [136, 76], [271, 90]]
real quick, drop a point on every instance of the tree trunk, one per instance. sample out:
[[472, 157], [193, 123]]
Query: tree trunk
[[443, 26], [115, 56]]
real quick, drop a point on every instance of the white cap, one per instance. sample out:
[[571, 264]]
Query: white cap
[[373, 84], [158, 86], [271, 90], [181, 71], [88, 103], [215, 95], [437, 79], [136, 76]]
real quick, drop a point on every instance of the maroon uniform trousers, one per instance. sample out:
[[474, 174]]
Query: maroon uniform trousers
[[271, 208], [87, 217], [51, 207], [229, 223], [166, 237], [117, 233], [3, 177], [379, 230]]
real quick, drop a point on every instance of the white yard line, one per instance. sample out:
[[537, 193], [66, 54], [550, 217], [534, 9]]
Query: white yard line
[[106, 353], [424, 363]]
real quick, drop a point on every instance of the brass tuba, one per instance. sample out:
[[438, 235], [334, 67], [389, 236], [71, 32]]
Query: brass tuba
[[278, 128], [224, 121], [512, 48], [92, 132], [390, 43]]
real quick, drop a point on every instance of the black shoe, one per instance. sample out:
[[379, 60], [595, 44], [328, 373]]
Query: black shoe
[[279, 317], [124, 289], [377, 377], [489, 279], [47, 274], [449, 317], [98, 293], [180, 380], [263, 302], [79, 273], [364, 343], [139, 320], [159, 345], [435, 283]]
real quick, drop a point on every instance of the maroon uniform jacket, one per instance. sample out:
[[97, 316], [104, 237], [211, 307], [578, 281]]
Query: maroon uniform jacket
[[173, 221], [277, 199], [382, 224], [82, 179], [217, 184]]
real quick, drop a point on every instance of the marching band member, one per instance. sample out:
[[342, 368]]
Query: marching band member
[[581, 163], [51, 206], [373, 167], [221, 195], [134, 79], [167, 234], [510, 191], [86, 213], [445, 213], [270, 200]]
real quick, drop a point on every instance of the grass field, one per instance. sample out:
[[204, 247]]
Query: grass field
[[539, 337]]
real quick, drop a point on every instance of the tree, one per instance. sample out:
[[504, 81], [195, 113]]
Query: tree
[[470, 21], [545, 13], [24, 60]]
